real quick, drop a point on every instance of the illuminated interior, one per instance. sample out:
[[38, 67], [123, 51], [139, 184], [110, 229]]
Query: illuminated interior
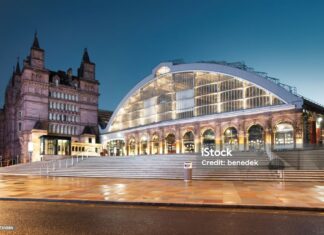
[[180, 95]]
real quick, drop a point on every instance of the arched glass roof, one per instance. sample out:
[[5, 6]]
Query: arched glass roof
[[185, 91]]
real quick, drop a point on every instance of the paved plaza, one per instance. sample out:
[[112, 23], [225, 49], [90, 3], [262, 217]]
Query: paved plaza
[[272, 194]]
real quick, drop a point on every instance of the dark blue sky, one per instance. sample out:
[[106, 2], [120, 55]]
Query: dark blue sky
[[126, 39]]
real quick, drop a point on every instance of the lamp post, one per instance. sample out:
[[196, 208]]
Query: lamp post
[[30, 150]]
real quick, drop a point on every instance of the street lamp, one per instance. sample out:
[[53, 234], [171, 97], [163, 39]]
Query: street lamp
[[30, 150], [319, 123], [319, 120]]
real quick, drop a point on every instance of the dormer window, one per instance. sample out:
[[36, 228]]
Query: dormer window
[[56, 80]]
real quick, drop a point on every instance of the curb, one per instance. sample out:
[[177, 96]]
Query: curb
[[168, 204]]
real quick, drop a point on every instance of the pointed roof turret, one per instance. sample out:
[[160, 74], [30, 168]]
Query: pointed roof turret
[[85, 57], [35, 43], [17, 66]]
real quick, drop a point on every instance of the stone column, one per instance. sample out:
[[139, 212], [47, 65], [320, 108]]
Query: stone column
[[178, 140], [218, 137], [241, 140], [267, 137], [197, 138], [161, 140]]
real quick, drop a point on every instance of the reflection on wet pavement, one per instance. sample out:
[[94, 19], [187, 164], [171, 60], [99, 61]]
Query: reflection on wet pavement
[[296, 194]]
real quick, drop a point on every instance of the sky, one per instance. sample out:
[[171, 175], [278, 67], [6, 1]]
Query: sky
[[127, 39]]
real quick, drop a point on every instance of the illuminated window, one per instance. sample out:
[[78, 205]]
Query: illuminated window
[[187, 94]]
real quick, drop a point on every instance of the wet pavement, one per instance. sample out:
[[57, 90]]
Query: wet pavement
[[40, 218], [256, 193]]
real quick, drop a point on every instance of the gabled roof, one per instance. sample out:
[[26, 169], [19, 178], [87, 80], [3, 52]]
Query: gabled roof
[[104, 117], [41, 125], [89, 130], [312, 106]]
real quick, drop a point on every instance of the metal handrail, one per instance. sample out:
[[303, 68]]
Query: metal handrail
[[57, 163]]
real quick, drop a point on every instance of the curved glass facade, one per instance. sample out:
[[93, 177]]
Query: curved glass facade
[[180, 95]]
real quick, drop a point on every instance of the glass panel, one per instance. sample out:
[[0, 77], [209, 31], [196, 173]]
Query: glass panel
[[256, 138], [231, 138], [116, 147], [187, 94], [171, 143], [155, 145], [284, 138], [189, 142], [209, 139]]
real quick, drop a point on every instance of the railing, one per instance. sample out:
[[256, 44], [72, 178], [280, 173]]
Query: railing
[[269, 152], [271, 155], [51, 166]]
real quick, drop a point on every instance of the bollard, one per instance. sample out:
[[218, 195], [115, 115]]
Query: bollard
[[187, 167]]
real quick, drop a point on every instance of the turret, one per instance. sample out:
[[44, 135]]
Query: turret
[[36, 58], [87, 68]]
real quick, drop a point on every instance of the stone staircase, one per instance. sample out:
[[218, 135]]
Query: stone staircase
[[23, 169], [163, 167], [303, 159]]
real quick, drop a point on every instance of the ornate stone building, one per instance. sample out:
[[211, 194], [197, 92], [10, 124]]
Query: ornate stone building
[[55, 113], [182, 108]]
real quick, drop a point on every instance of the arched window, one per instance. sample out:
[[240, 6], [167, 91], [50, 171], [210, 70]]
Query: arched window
[[171, 143], [155, 144], [189, 142], [284, 136], [209, 139], [231, 138], [116, 147], [256, 137], [132, 147], [144, 146]]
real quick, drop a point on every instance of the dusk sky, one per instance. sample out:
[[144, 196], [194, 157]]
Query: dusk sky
[[127, 39]]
